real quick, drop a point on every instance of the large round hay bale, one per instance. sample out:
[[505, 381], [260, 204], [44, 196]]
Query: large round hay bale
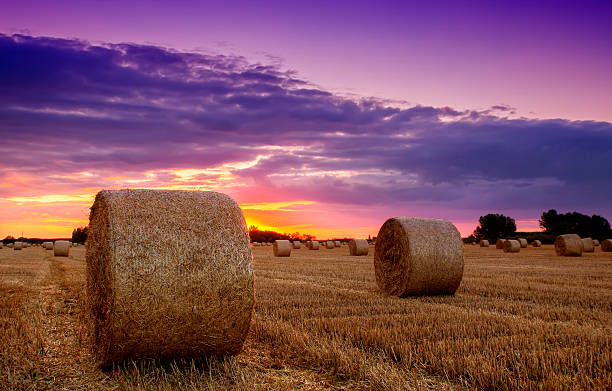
[[587, 245], [281, 248], [358, 247], [512, 246], [169, 275], [522, 242], [595, 242], [18, 246], [314, 245], [536, 243], [329, 244], [337, 243], [606, 245], [484, 243], [569, 245], [61, 248], [499, 244], [416, 256], [297, 244]]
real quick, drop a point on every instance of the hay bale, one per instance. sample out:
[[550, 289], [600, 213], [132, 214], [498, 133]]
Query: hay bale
[[61, 248], [329, 244], [587, 245], [281, 248], [169, 275], [416, 256], [484, 243], [606, 245], [536, 243], [18, 246], [569, 245], [512, 246], [358, 247], [10, 245], [595, 242], [314, 245], [337, 243], [499, 244], [1, 244], [522, 242], [474, 244], [297, 244], [48, 245]]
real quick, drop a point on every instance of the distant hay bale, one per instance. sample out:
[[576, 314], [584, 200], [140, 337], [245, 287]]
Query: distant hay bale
[[18, 246], [512, 246], [536, 243], [499, 244], [297, 244], [474, 244], [522, 242], [281, 248], [314, 245], [48, 245], [61, 248], [358, 247], [337, 243], [169, 275], [606, 245], [484, 243], [416, 256], [595, 242], [569, 245], [10, 245], [587, 245], [329, 244]]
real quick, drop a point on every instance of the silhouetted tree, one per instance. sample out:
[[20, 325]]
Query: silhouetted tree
[[495, 226], [575, 223], [79, 235]]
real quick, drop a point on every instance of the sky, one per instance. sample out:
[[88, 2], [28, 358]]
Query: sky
[[318, 117]]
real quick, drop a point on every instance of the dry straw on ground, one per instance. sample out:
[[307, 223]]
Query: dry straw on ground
[[587, 245], [61, 248], [314, 245], [499, 244], [536, 243], [522, 242], [606, 245], [297, 244], [282, 248], [17, 246], [512, 246], [358, 247], [416, 256], [569, 245], [484, 243], [169, 275]]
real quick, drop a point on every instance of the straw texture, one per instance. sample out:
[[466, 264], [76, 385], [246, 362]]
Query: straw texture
[[48, 245], [169, 275], [587, 245], [484, 243], [416, 256], [569, 245], [17, 246], [499, 244], [358, 247], [314, 245], [281, 248], [297, 244], [606, 245], [522, 242], [329, 244], [512, 246], [61, 248]]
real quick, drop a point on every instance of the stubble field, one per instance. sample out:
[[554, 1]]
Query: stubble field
[[530, 320]]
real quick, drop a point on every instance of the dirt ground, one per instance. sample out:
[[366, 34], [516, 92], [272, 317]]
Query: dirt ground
[[530, 320]]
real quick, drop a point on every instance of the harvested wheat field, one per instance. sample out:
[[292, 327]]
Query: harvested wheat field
[[528, 320]]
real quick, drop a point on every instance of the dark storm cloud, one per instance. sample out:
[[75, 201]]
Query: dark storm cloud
[[135, 107]]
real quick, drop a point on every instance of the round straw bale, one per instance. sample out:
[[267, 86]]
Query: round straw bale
[[499, 244], [336, 243], [169, 275], [296, 244], [358, 247], [569, 245], [281, 248], [61, 248], [587, 245], [18, 246], [484, 243], [314, 245], [329, 244], [606, 245], [522, 242], [1, 244], [416, 256], [10, 245], [536, 243], [512, 246], [474, 244], [48, 245], [595, 242]]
